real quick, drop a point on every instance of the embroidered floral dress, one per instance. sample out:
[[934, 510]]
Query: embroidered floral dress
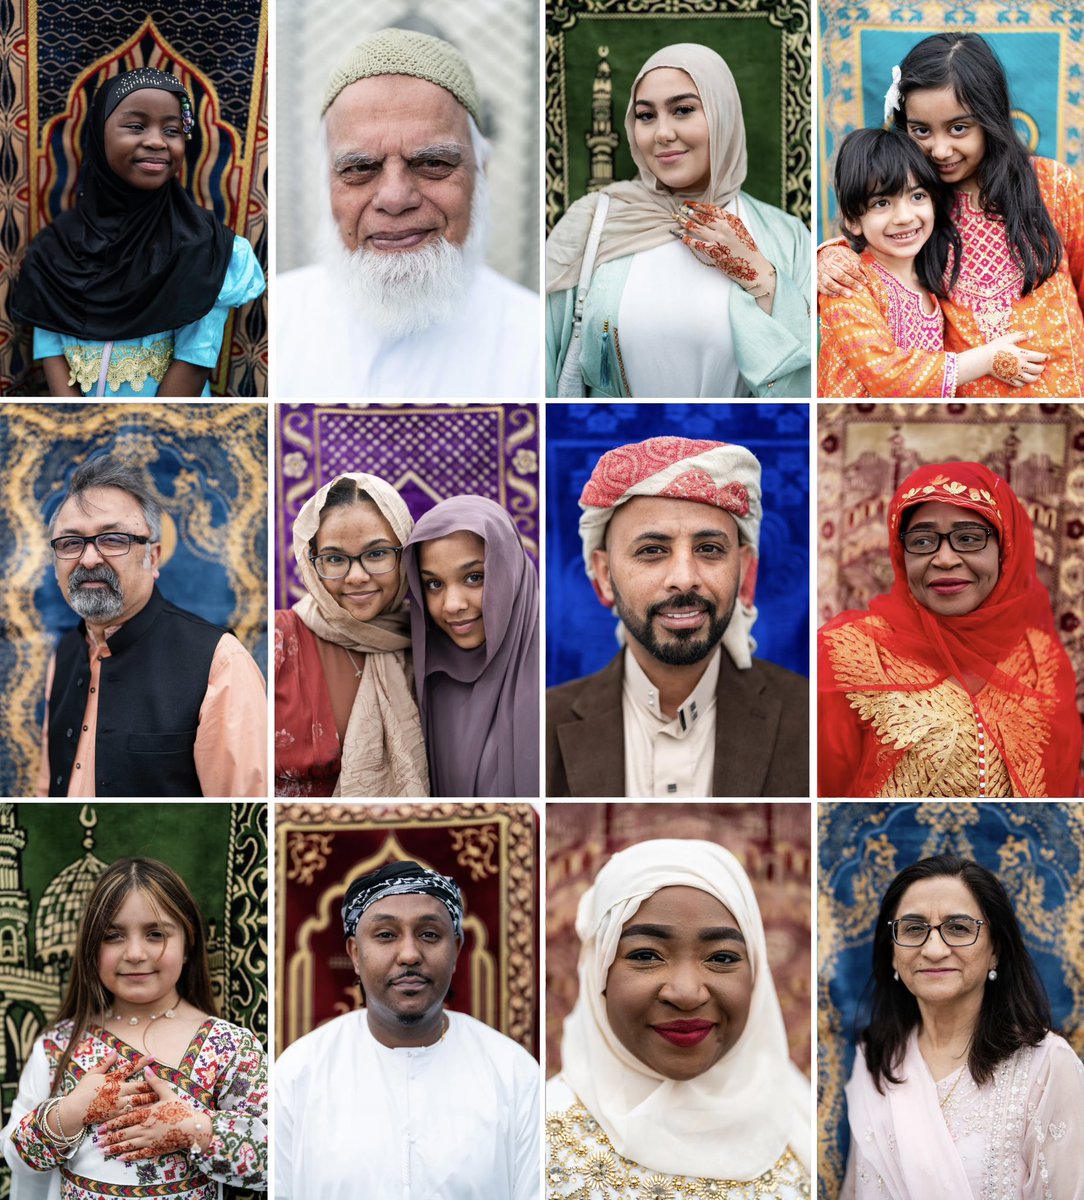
[[136, 367], [224, 1072], [581, 1164], [882, 342]]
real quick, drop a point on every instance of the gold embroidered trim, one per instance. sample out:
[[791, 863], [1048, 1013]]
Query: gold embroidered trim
[[581, 1164], [127, 364], [950, 487]]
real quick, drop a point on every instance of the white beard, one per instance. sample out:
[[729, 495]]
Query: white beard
[[405, 291]]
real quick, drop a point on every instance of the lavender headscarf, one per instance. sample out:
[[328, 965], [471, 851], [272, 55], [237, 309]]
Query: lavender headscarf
[[479, 707]]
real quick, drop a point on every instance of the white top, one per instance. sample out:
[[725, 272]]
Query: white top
[[491, 348], [668, 756], [674, 325], [456, 1120]]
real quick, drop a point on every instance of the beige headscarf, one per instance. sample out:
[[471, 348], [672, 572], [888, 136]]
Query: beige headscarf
[[383, 753], [641, 210]]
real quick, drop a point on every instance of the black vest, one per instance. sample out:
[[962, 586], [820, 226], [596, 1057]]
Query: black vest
[[151, 688]]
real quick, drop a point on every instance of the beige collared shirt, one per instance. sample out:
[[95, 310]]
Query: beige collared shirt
[[663, 756]]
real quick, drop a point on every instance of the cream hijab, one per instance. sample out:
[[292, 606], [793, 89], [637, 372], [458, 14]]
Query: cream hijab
[[641, 210], [735, 1120], [383, 753]]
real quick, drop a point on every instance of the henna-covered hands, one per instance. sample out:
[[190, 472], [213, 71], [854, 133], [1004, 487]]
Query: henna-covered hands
[[167, 1125], [104, 1092], [721, 239], [838, 270]]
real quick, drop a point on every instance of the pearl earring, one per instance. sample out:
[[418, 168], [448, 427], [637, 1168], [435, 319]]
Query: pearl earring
[[896, 976], [991, 975]]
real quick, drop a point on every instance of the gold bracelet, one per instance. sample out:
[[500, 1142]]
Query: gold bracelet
[[767, 286]]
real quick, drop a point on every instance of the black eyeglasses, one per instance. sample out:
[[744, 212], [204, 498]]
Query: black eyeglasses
[[110, 545], [954, 931], [334, 565], [964, 541]]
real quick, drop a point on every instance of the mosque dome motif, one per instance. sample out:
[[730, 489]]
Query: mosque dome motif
[[65, 898]]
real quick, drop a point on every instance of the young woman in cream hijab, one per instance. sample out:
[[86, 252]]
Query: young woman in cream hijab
[[345, 719], [697, 288], [675, 1081]]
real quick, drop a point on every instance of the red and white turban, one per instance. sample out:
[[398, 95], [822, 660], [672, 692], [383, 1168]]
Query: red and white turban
[[716, 473]]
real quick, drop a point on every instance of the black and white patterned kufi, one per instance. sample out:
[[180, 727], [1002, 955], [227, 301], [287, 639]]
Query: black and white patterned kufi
[[401, 879]]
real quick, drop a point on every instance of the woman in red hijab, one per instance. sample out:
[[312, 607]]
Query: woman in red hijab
[[954, 683]]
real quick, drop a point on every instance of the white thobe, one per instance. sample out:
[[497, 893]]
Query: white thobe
[[492, 347], [457, 1120], [669, 756]]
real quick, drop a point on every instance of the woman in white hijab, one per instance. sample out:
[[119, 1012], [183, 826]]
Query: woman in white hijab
[[676, 1083], [691, 287]]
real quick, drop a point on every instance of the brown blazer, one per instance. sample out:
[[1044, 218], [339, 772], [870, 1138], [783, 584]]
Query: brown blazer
[[761, 733]]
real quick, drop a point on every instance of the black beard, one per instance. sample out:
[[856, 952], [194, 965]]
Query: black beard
[[688, 646]]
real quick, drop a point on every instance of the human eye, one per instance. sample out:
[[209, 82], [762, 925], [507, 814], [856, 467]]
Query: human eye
[[960, 926], [68, 545], [475, 579], [711, 550], [644, 114], [912, 927], [921, 541], [332, 560], [432, 585], [113, 541], [960, 127], [114, 935], [684, 110], [725, 958], [969, 537], [650, 551], [377, 556], [920, 196], [643, 955]]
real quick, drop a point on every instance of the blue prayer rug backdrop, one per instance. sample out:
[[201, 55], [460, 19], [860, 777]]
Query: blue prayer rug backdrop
[[1039, 45], [427, 452], [579, 630], [54, 56], [207, 466], [1036, 850]]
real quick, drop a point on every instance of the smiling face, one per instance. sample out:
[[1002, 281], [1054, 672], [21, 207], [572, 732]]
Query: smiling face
[[935, 973], [896, 227], [404, 952], [948, 133], [144, 138], [452, 570], [402, 167], [672, 130], [672, 570], [679, 989], [354, 529], [142, 954], [951, 583], [106, 590]]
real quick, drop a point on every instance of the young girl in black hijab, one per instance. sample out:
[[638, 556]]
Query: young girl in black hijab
[[129, 292]]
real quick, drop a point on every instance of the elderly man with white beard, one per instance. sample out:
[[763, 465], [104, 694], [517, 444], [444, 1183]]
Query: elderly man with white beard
[[402, 303]]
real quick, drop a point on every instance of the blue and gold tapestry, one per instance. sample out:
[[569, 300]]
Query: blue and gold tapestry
[[579, 630], [427, 452], [1039, 46], [53, 56], [207, 467], [1036, 850]]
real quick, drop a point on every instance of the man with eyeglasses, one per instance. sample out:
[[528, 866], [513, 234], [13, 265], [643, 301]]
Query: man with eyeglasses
[[142, 698]]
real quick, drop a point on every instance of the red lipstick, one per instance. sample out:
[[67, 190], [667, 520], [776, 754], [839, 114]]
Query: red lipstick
[[684, 1033]]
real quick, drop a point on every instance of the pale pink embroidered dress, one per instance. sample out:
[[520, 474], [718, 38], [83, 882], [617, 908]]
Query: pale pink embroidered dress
[[1018, 1137]]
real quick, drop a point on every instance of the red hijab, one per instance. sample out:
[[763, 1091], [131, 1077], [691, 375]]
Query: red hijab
[[968, 648]]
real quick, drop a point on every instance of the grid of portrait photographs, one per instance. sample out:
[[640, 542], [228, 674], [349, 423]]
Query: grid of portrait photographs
[[443, 444]]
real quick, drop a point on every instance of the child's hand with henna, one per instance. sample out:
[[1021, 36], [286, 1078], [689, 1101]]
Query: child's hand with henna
[[105, 1091], [838, 271], [721, 239], [166, 1125]]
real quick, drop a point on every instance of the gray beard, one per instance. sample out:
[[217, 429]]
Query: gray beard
[[96, 604], [406, 291]]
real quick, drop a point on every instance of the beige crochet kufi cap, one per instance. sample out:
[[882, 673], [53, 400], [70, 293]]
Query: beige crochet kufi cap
[[404, 52]]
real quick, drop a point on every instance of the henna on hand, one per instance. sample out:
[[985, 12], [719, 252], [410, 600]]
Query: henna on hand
[[740, 269], [160, 1130], [107, 1098], [711, 214]]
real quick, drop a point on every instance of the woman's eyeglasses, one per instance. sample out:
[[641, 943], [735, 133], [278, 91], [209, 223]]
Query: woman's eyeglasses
[[963, 541], [333, 565], [956, 931]]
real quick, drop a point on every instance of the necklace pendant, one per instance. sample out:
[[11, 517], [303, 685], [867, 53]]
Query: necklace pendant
[[133, 1020]]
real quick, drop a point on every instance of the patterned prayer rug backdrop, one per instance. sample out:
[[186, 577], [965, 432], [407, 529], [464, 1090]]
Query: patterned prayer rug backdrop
[[579, 630], [53, 55], [1036, 850], [500, 41], [207, 465], [771, 841], [52, 854], [594, 49], [1039, 46], [427, 452], [866, 451], [490, 850]]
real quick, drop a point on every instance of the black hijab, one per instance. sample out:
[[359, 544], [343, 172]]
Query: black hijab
[[125, 262]]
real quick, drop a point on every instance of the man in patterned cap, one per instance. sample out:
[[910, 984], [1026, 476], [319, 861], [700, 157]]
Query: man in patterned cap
[[403, 303], [402, 1097], [670, 530]]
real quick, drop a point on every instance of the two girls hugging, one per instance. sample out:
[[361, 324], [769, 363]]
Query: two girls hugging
[[964, 273]]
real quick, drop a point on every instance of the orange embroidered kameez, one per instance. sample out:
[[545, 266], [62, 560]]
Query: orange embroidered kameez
[[880, 342], [986, 301]]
